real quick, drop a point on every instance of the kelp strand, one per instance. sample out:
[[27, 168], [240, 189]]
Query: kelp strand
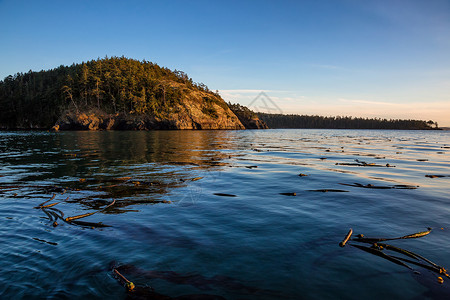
[[383, 255]]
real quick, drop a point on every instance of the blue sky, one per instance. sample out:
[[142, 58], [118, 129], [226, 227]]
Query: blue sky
[[362, 58]]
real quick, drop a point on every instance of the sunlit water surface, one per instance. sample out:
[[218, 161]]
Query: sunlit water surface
[[260, 244]]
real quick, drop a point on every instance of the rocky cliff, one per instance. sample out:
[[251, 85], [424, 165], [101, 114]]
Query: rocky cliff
[[190, 117]]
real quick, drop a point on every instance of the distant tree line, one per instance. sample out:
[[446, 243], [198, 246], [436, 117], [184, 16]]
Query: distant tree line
[[114, 85], [304, 121]]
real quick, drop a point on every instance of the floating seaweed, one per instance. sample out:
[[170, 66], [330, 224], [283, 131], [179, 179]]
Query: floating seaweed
[[69, 219], [121, 179], [361, 163], [196, 178], [378, 248], [89, 224], [40, 205], [147, 292], [436, 176], [347, 238], [8, 188], [410, 254], [381, 254], [59, 213], [49, 205], [54, 214], [362, 238], [371, 186], [224, 195], [288, 194], [195, 280], [183, 163], [50, 216], [328, 190], [47, 242]]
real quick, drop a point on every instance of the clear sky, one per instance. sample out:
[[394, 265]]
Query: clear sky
[[371, 58]]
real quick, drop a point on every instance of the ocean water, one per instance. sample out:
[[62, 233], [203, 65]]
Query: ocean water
[[222, 213]]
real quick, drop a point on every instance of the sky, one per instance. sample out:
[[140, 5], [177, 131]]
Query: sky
[[371, 58]]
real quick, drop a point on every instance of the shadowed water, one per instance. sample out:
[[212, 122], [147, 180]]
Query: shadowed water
[[222, 212]]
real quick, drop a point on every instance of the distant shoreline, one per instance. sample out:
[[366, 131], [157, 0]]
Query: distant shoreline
[[343, 122], [247, 129]]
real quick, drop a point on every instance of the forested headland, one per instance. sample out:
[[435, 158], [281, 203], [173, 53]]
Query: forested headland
[[111, 93], [305, 121]]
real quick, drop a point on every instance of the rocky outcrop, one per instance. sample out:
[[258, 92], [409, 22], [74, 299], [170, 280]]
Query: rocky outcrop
[[194, 110], [182, 118]]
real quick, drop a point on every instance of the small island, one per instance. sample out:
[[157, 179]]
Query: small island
[[114, 93]]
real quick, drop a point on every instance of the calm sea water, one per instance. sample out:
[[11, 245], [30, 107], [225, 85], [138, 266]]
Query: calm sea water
[[176, 227]]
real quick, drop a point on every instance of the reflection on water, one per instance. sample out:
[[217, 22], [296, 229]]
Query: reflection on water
[[210, 211], [93, 167]]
